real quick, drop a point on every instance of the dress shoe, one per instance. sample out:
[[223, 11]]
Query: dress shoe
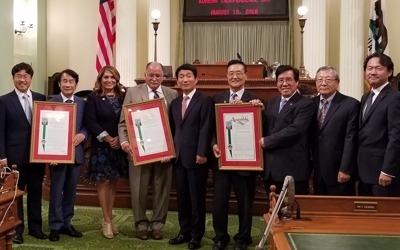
[[18, 239], [157, 234], [114, 228], [180, 239], [194, 244], [38, 234], [54, 235], [220, 245], [71, 232], [240, 246], [107, 230], [142, 234]]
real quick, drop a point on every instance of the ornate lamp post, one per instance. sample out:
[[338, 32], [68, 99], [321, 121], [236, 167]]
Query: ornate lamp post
[[302, 10], [155, 14]]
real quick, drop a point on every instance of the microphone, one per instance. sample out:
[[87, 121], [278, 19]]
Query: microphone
[[289, 197], [239, 56], [287, 193]]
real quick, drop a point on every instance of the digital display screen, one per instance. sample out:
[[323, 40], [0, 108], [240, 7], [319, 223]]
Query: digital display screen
[[235, 10]]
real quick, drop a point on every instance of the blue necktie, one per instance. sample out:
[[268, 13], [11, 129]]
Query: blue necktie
[[283, 102]]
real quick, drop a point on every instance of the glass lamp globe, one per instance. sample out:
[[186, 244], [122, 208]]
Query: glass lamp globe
[[155, 14], [302, 10]]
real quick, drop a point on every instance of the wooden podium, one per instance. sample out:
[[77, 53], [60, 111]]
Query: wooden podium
[[218, 71], [8, 209]]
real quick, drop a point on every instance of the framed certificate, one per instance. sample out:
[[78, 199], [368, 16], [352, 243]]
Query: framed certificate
[[148, 130], [239, 130], [53, 132]]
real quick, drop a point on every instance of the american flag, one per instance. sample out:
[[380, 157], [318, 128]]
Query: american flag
[[105, 34]]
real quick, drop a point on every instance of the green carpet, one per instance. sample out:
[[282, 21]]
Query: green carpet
[[88, 221]]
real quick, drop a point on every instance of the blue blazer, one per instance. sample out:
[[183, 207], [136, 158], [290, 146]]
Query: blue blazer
[[15, 129], [80, 111], [100, 116]]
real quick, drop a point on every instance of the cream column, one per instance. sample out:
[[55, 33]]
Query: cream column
[[125, 46], [163, 33], [315, 35], [352, 47], [6, 46]]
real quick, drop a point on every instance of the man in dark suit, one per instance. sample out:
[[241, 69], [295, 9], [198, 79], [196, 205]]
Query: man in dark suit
[[288, 119], [64, 177], [379, 132], [158, 174], [333, 136], [243, 182], [192, 120], [15, 142]]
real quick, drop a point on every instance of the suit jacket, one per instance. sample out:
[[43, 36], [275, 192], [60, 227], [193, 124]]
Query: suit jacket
[[286, 138], [334, 146], [223, 97], [379, 137], [15, 129], [138, 94], [192, 133], [79, 128], [100, 116]]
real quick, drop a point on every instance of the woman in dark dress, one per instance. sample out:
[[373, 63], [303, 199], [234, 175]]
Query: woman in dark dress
[[108, 162]]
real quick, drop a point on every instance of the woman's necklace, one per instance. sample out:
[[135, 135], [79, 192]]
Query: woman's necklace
[[110, 96]]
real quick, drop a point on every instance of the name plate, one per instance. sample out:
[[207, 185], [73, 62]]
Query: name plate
[[365, 206]]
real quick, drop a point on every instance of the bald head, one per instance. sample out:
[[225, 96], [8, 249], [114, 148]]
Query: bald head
[[154, 75]]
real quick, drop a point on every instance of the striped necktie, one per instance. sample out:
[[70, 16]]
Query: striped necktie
[[156, 96], [233, 97], [322, 113]]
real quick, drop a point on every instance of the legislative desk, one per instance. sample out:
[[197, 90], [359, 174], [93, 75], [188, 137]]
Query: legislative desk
[[8, 209], [340, 223], [86, 190]]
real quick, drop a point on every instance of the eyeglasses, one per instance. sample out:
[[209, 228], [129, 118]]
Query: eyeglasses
[[327, 80], [20, 77], [287, 80], [237, 73]]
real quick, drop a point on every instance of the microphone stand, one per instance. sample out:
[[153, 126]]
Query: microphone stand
[[274, 213]]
